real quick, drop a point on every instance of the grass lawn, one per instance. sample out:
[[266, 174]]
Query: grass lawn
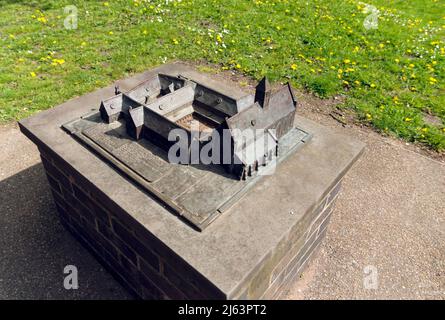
[[392, 75]]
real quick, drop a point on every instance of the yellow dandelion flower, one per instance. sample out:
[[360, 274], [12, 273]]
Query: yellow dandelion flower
[[347, 61], [33, 74], [433, 80], [42, 19], [407, 119], [56, 62], [373, 85], [106, 4], [293, 66]]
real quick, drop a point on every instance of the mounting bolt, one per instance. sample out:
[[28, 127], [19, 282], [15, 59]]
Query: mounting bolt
[[111, 106], [218, 100], [161, 107], [253, 122]]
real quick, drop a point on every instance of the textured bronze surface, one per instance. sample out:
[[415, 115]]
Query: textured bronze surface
[[131, 128]]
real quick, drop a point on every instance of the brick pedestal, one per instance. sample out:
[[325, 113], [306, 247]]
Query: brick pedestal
[[254, 250]]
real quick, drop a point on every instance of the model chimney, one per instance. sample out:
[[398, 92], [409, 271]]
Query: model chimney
[[262, 93]]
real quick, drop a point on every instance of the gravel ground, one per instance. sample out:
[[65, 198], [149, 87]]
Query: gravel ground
[[386, 238]]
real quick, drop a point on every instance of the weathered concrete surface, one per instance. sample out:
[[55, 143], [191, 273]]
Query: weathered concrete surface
[[390, 214]]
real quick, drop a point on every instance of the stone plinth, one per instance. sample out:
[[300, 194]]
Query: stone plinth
[[253, 250]]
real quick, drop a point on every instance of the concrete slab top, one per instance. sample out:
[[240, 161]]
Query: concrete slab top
[[231, 247]]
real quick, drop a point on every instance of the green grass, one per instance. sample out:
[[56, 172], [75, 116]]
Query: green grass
[[392, 76]]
